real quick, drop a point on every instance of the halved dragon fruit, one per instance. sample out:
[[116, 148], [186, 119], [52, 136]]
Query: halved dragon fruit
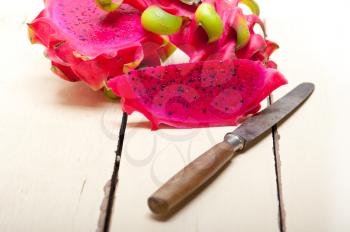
[[85, 43], [210, 93]]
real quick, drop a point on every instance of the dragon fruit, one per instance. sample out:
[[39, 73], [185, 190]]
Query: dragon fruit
[[122, 43], [85, 43], [209, 93], [230, 37], [238, 31], [229, 74]]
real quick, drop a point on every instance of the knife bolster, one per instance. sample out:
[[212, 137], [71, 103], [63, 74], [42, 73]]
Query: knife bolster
[[235, 140]]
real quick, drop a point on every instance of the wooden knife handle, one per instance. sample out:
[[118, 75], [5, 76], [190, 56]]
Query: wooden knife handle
[[190, 178]]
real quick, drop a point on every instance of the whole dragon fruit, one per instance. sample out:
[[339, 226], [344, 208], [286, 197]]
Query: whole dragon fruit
[[213, 29]]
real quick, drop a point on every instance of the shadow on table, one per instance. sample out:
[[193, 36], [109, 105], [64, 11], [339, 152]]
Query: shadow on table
[[78, 94]]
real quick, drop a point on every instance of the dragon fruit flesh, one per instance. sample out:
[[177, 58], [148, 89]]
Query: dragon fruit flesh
[[209, 93]]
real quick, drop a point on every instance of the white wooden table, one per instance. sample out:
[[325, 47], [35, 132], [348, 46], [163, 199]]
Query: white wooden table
[[57, 141]]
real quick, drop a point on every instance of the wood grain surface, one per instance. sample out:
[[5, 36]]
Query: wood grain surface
[[58, 141]]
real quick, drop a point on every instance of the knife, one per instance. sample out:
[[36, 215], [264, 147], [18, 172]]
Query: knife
[[199, 171]]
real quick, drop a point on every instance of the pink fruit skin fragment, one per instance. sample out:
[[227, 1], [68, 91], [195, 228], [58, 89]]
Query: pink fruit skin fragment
[[211, 93]]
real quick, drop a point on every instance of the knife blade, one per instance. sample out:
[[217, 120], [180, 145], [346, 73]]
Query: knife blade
[[199, 171]]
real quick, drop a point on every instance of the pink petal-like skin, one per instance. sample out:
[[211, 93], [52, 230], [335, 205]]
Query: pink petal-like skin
[[95, 45], [193, 40], [256, 44], [264, 54], [210, 93], [252, 20], [65, 72], [270, 47]]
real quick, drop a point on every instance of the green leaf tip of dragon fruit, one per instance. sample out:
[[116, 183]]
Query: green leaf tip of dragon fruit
[[156, 20], [207, 17], [243, 33], [166, 50], [252, 5], [31, 35], [108, 5], [109, 93]]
